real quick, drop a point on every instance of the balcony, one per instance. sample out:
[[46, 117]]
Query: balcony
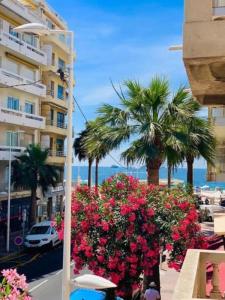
[[50, 99], [8, 79], [57, 157], [22, 49], [15, 151], [202, 276], [204, 50], [21, 11], [55, 127], [21, 118], [56, 40]]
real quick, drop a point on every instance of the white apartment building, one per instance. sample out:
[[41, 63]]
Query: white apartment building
[[33, 99]]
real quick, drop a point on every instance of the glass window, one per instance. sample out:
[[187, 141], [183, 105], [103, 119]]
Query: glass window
[[13, 103], [30, 39], [62, 38], [29, 108], [13, 33], [40, 230], [61, 64], [60, 120], [59, 145], [50, 24], [53, 59], [12, 139], [60, 92]]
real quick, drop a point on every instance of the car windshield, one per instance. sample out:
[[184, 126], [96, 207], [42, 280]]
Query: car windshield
[[40, 230]]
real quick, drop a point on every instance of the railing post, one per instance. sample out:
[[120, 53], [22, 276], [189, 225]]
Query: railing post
[[215, 282]]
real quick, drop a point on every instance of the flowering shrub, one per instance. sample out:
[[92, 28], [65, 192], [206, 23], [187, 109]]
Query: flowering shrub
[[13, 286], [120, 233]]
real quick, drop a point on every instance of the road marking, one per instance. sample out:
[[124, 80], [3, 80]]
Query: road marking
[[37, 286]]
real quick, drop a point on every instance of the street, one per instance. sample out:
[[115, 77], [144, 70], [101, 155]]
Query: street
[[43, 271]]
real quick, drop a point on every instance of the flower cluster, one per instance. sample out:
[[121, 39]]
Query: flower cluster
[[13, 286], [120, 232]]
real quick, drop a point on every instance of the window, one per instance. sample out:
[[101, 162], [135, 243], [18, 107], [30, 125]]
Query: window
[[29, 108], [52, 116], [13, 103], [52, 87], [13, 33], [53, 59], [61, 64], [30, 39], [60, 92], [60, 120], [50, 24], [12, 139], [59, 145]]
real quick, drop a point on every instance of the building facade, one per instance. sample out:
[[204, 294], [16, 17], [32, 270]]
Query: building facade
[[204, 59], [33, 98]]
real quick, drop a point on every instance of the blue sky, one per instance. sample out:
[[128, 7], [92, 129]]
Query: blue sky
[[121, 40]]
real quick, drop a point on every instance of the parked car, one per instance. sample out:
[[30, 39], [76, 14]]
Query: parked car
[[207, 211], [42, 234]]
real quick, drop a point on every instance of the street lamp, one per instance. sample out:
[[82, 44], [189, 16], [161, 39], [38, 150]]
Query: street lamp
[[40, 29], [9, 188]]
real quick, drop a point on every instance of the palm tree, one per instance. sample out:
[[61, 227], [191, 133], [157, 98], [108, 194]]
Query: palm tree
[[200, 142], [81, 151], [96, 144], [151, 119], [30, 170]]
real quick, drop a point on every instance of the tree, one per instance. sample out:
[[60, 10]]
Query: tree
[[200, 142], [81, 151], [120, 233], [150, 119], [96, 144], [31, 171]]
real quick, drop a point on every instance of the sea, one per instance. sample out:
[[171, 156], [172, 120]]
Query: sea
[[200, 178]]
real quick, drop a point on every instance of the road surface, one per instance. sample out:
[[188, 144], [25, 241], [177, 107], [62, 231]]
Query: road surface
[[43, 271]]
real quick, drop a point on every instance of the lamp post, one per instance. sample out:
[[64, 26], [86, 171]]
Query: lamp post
[[40, 29], [9, 189]]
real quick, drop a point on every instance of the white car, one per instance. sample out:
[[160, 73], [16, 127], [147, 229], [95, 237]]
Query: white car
[[207, 211], [42, 234]]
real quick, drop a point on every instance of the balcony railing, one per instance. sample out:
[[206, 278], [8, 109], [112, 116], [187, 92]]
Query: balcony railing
[[51, 93], [56, 153], [218, 8], [218, 121], [201, 276], [9, 78], [22, 48], [57, 124], [21, 118]]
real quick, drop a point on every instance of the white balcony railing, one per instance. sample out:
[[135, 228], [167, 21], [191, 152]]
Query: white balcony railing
[[22, 48], [15, 151], [21, 118], [9, 78], [53, 153], [201, 276]]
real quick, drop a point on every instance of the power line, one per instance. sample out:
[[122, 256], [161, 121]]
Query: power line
[[81, 111]]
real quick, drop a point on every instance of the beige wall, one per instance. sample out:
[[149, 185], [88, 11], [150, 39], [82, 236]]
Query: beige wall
[[23, 98]]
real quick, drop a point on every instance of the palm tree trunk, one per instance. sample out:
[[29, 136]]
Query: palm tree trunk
[[153, 167], [33, 207], [96, 173], [169, 175], [190, 163], [89, 172]]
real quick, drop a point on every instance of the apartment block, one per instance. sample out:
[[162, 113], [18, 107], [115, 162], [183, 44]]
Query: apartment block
[[204, 59], [33, 99]]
